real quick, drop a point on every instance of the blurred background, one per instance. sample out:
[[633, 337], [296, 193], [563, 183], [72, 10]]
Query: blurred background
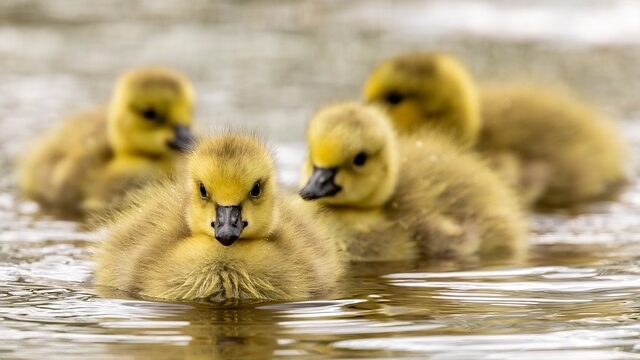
[[268, 65]]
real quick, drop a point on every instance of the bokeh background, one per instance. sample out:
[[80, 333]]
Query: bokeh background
[[267, 66]]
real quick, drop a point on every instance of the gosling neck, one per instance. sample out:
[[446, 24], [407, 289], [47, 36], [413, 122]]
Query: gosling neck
[[386, 186], [466, 112]]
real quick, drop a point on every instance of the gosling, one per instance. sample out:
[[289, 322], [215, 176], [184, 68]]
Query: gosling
[[389, 198], [220, 233], [555, 150], [94, 158]]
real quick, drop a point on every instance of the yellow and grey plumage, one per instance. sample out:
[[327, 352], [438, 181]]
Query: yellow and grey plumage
[[556, 151], [164, 245], [92, 159], [413, 196]]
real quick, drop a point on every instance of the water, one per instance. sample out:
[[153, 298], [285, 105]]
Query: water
[[268, 66]]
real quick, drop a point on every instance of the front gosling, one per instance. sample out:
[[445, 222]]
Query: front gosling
[[223, 232], [402, 198], [96, 157]]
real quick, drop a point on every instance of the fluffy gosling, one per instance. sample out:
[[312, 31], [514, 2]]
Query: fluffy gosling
[[94, 158], [389, 198], [557, 151], [221, 233]]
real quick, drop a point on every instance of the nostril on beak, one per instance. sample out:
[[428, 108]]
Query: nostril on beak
[[228, 224]]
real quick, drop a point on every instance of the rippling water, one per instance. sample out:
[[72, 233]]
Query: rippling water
[[268, 66]]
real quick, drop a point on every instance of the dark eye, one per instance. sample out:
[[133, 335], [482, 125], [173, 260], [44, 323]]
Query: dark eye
[[360, 159], [394, 98], [203, 192], [256, 190], [150, 113]]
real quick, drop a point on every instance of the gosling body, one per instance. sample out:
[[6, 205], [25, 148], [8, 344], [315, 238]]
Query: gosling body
[[556, 151], [177, 240], [412, 197], [568, 153], [94, 158]]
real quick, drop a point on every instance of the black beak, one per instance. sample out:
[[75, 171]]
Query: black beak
[[183, 140], [321, 184], [228, 224]]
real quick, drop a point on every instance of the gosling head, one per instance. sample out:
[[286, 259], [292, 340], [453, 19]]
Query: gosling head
[[150, 113], [232, 188], [424, 90], [352, 157]]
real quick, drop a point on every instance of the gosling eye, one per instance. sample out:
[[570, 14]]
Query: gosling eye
[[360, 159], [150, 114], [203, 191], [256, 190], [394, 98]]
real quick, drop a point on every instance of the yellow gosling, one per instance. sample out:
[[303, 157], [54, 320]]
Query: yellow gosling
[[389, 198], [222, 232], [557, 151], [94, 158], [432, 91]]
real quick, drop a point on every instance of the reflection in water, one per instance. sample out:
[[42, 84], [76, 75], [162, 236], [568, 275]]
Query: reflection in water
[[270, 65]]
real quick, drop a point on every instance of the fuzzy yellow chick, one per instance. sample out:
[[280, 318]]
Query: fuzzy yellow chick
[[94, 158], [398, 198], [221, 233], [557, 151]]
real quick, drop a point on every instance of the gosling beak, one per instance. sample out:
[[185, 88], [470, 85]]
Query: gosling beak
[[228, 224], [183, 138], [321, 184]]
